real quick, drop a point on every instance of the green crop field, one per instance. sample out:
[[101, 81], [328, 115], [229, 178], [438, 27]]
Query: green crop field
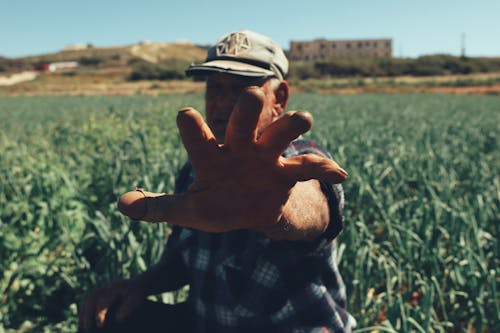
[[419, 252]]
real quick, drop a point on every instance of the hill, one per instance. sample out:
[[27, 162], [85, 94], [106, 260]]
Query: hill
[[159, 68], [120, 56]]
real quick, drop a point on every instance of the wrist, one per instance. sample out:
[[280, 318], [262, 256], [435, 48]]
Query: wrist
[[283, 223], [280, 230]]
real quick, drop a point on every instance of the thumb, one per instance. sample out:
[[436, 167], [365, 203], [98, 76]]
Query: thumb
[[150, 206], [133, 204], [310, 166]]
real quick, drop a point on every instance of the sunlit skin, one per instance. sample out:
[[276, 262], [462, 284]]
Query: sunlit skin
[[242, 182]]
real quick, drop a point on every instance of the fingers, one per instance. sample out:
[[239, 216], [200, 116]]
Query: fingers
[[151, 206], [116, 307], [105, 299], [242, 127], [114, 301], [93, 312], [310, 166], [86, 319], [101, 317], [196, 136], [279, 134]]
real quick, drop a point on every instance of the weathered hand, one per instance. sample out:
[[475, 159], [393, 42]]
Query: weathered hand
[[241, 184], [124, 296]]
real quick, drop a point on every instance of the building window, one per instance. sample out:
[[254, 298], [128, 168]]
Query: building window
[[334, 46], [348, 45]]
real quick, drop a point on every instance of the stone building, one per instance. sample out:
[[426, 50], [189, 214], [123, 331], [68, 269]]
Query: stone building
[[319, 49], [78, 47]]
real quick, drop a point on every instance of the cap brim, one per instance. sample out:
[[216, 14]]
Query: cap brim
[[229, 67]]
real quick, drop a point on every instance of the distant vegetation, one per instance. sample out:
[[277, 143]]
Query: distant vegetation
[[172, 69], [432, 65], [156, 61]]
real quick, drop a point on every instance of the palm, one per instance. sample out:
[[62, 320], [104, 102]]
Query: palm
[[243, 183]]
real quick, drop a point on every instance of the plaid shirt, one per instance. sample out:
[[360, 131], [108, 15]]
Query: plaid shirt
[[242, 281]]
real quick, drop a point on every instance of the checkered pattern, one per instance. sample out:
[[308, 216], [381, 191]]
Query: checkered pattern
[[241, 281]]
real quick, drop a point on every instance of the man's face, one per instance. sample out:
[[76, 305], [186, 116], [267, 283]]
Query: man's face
[[222, 92]]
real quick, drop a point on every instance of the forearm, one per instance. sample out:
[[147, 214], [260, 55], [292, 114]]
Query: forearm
[[167, 275], [305, 215], [297, 213]]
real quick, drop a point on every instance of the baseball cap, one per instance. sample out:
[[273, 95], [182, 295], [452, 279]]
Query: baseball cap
[[243, 53]]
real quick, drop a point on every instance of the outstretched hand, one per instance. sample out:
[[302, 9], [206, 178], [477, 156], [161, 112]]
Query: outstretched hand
[[241, 184]]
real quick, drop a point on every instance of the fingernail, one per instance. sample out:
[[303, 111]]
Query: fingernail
[[101, 317], [344, 172], [185, 110]]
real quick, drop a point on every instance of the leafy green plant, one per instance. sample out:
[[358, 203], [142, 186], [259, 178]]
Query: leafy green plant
[[429, 65], [419, 252]]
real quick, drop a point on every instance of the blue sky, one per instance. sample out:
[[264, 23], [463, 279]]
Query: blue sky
[[30, 27]]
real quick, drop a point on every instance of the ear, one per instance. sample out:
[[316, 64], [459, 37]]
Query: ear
[[281, 95]]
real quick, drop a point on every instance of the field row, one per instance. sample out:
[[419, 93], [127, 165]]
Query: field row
[[419, 252]]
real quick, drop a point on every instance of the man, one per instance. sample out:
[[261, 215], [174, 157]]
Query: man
[[255, 216]]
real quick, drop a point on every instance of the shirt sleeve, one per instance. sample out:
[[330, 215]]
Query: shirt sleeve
[[335, 197]]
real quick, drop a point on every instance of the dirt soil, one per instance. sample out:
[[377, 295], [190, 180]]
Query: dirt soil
[[471, 90], [10, 80], [113, 81]]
